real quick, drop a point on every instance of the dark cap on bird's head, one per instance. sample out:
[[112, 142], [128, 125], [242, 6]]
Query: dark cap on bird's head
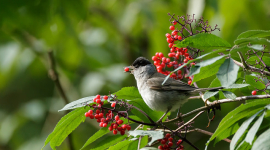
[[140, 61]]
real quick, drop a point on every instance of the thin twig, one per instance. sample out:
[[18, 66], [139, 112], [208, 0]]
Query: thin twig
[[189, 121], [250, 68], [54, 76], [139, 143], [210, 134]]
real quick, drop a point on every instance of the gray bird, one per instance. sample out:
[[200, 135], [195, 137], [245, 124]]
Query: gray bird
[[167, 97]]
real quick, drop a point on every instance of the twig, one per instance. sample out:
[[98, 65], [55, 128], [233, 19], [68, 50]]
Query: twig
[[250, 68], [139, 143], [210, 134], [189, 121], [54, 76]]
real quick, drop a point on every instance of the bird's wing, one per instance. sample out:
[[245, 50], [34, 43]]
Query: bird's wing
[[156, 80]]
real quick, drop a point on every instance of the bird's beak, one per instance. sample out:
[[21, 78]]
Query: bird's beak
[[129, 69]]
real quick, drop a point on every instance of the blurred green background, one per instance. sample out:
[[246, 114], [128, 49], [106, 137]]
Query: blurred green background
[[92, 41]]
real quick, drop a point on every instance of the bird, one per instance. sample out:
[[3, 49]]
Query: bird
[[167, 97]]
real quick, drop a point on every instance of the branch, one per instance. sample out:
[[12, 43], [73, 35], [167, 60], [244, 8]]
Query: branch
[[252, 69], [189, 121]]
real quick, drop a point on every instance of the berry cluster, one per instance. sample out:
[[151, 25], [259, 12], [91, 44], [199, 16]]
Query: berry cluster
[[108, 118], [178, 55], [167, 142]]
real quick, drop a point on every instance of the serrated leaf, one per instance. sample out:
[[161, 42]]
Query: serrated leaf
[[254, 33], [243, 41], [241, 130], [65, 126], [154, 134], [244, 110], [252, 81], [208, 71], [227, 73], [237, 86], [122, 144], [204, 41], [229, 95], [262, 142], [253, 130], [209, 94]]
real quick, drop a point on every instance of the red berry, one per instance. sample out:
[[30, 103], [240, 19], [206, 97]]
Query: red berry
[[189, 82], [160, 147], [154, 58], [174, 32], [174, 22], [115, 126], [91, 116], [186, 54], [171, 54], [101, 124], [87, 114], [105, 125], [179, 38], [164, 59], [114, 132], [113, 104], [98, 101], [126, 69], [124, 127], [119, 128], [105, 97], [102, 119], [179, 141], [168, 35], [172, 27], [110, 128], [96, 116], [254, 92], [185, 60], [168, 135], [128, 127], [170, 139], [97, 111], [120, 122], [116, 117], [170, 40], [160, 55], [165, 146], [90, 111], [95, 100], [98, 96], [170, 45], [163, 142], [98, 120], [170, 144], [122, 132]]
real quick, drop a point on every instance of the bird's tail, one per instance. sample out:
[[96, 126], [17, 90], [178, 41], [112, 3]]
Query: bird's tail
[[207, 89]]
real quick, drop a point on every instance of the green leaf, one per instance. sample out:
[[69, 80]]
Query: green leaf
[[253, 130], [256, 47], [243, 49], [65, 126], [241, 130], [226, 133], [252, 81], [209, 94], [254, 33], [78, 103], [215, 83], [207, 71], [154, 134], [229, 95], [244, 110], [122, 144], [109, 142], [227, 73], [243, 41], [262, 142], [196, 69], [129, 93], [244, 146], [149, 148], [237, 86], [134, 145], [204, 41], [96, 136], [190, 61]]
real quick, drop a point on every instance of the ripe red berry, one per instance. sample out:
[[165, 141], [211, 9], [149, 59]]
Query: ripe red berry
[[119, 128], [170, 144], [91, 116], [90, 111], [97, 111], [170, 40], [120, 122], [110, 128], [174, 32], [87, 114], [168, 135], [115, 126], [124, 126], [113, 104], [128, 127], [95, 100], [185, 60], [102, 119], [254, 92], [105, 97], [122, 132], [116, 117], [179, 37], [105, 125], [98, 101], [170, 45], [160, 55], [172, 27], [160, 147], [98, 120], [163, 141], [114, 132], [101, 124], [98, 96], [170, 139], [96, 116], [154, 58], [189, 82], [179, 141], [168, 35], [171, 54], [165, 146], [126, 69], [174, 22]]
